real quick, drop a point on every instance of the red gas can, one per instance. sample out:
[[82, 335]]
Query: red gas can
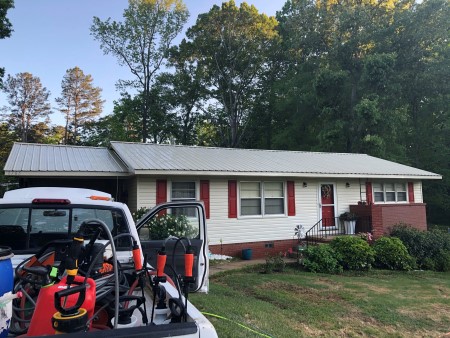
[[41, 322]]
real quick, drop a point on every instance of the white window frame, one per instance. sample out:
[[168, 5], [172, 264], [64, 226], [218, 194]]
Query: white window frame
[[262, 200], [197, 193], [396, 191], [196, 187]]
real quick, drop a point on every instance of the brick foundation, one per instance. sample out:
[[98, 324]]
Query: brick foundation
[[384, 216], [259, 249]]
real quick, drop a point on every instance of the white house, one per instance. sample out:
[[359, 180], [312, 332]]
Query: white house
[[254, 198]]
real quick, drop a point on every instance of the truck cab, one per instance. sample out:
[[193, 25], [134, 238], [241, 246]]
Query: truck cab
[[37, 221]]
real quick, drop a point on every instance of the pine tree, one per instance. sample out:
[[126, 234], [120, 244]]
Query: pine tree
[[80, 102]]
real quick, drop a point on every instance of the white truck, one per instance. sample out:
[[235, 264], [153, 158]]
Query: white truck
[[84, 268]]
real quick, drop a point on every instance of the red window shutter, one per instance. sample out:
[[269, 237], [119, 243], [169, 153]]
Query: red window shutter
[[232, 199], [161, 191], [411, 192], [369, 198], [291, 198], [204, 195]]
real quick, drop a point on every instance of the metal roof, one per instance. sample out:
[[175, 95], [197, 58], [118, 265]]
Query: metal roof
[[26, 159], [146, 158]]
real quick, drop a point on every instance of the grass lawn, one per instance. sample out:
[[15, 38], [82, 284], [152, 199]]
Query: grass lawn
[[302, 304]]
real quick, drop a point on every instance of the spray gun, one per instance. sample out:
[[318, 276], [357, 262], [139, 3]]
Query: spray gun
[[72, 257], [141, 272], [188, 278], [161, 259]]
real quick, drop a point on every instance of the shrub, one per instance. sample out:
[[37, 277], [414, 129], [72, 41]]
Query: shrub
[[321, 258], [353, 253], [391, 253], [442, 261], [167, 225], [274, 263], [139, 213], [431, 249]]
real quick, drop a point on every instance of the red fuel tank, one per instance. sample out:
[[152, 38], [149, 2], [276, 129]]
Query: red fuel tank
[[41, 322]]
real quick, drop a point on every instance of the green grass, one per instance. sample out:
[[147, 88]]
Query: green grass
[[301, 304]]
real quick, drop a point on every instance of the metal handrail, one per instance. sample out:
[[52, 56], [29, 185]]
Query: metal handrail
[[332, 227]]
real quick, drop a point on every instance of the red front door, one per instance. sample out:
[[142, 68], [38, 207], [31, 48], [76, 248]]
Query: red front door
[[327, 205]]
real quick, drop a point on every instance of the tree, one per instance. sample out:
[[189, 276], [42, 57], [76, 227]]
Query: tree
[[341, 48], [185, 91], [232, 46], [141, 43], [28, 101], [80, 102], [5, 27]]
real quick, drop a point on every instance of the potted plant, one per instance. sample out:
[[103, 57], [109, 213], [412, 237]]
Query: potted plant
[[349, 219]]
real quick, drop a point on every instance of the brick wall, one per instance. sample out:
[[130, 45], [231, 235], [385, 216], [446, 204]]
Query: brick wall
[[259, 249], [384, 216]]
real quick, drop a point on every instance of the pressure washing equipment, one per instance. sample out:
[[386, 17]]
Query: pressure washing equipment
[[79, 299], [6, 288]]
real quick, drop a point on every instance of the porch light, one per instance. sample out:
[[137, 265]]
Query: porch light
[[305, 184], [347, 185]]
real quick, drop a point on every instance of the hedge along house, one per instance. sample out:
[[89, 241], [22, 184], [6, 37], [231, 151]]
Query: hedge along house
[[253, 198]]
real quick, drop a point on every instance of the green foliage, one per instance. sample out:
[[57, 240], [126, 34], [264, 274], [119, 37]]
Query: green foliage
[[391, 253], [167, 225], [139, 213], [431, 249], [353, 253], [274, 263], [233, 46], [321, 258], [5, 27], [142, 42], [28, 103], [348, 216], [80, 102]]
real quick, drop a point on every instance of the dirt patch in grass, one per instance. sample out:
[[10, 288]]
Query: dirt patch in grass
[[434, 312], [298, 290]]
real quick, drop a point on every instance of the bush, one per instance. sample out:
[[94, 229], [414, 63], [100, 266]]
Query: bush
[[139, 213], [167, 225], [431, 249], [353, 253], [391, 253], [321, 258], [442, 261], [274, 263]]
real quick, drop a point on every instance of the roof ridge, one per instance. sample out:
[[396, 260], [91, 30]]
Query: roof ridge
[[235, 149], [58, 145]]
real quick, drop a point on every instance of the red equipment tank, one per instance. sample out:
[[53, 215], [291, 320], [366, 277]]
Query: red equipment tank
[[41, 322]]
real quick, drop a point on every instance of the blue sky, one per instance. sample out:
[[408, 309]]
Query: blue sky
[[51, 36]]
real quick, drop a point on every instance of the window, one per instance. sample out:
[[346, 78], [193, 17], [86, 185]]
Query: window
[[262, 198], [183, 191], [31, 228], [389, 192]]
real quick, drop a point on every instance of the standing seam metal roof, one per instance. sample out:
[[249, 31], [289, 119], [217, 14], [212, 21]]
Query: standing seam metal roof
[[145, 158], [45, 158]]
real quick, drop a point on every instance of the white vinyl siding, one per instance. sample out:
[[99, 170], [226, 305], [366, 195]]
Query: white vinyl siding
[[418, 194], [146, 192], [222, 229], [261, 198]]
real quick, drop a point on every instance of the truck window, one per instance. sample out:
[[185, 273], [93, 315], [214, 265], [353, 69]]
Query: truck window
[[178, 222], [31, 228], [13, 227]]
